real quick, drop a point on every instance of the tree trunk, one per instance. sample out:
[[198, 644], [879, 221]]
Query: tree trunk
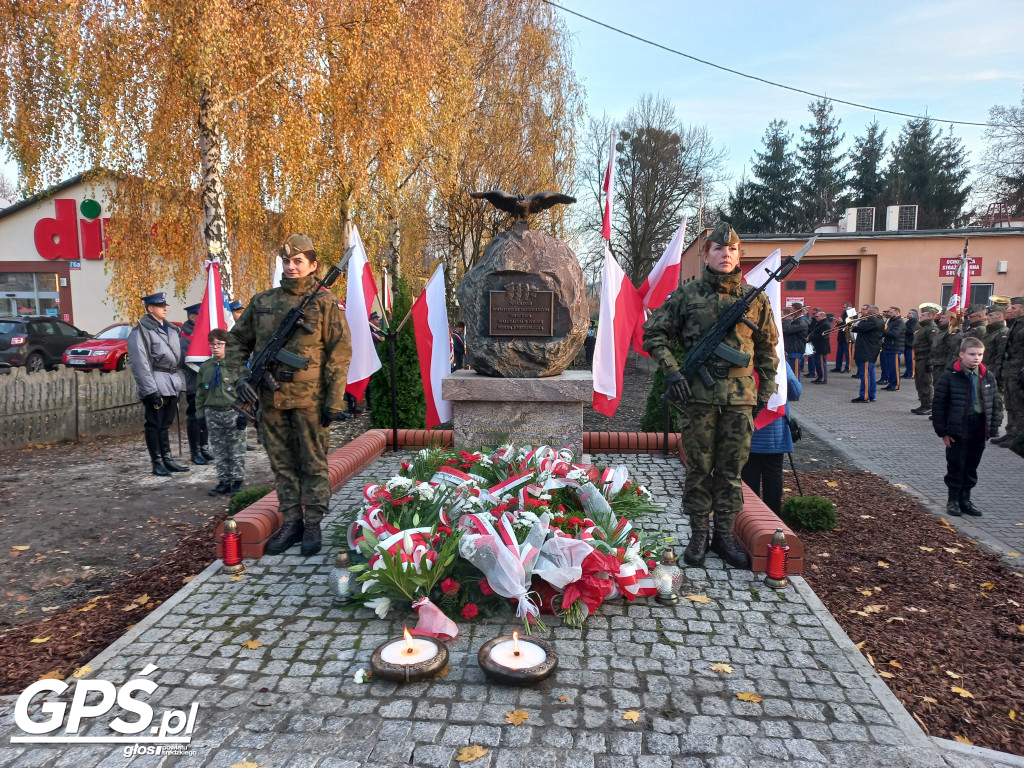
[[345, 219], [215, 226], [394, 246]]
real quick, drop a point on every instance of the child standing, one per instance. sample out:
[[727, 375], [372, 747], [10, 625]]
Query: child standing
[[214, 395], [967, 411]]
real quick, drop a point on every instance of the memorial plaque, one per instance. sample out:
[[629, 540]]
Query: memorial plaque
[[522, 310]]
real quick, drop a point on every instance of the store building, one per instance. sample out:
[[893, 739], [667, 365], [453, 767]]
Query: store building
[[902, 268], [51, 258]]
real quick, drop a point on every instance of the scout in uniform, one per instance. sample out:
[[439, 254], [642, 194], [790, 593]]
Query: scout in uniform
[[215, 395], [719, 420]]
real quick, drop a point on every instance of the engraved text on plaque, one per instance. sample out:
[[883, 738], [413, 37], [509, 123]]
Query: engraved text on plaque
[[522, 310]]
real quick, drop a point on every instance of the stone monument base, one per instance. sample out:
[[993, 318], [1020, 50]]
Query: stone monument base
[[489, 411]]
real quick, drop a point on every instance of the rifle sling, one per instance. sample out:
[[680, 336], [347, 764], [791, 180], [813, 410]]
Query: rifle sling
[[297, 375]]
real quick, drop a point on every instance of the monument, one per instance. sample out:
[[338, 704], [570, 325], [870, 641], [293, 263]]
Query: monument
[[526, 313]]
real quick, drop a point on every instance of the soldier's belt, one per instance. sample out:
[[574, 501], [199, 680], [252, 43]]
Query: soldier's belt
[[219, 408], [164, 369], [725, 372], [308, 375]]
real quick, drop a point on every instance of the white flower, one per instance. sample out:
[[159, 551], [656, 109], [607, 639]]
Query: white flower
[[368, 585], [425, 491], [576, 475], [507, 498], [486, 461], [545, 497], [380, 605], [361, 676], [527, 517], [642, 490], [423, 454], [399, 484]]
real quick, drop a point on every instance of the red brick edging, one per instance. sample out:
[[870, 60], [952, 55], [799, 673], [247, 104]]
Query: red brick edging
[[755, 524]]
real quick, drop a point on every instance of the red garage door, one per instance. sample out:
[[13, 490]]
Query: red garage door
[[825, 284]]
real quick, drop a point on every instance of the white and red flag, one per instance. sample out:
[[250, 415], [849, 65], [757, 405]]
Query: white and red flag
[[776, 408], [621, 307], [609, 191], [961, 286], [664, 279], [213, 313], [359, 298], [430, 322]]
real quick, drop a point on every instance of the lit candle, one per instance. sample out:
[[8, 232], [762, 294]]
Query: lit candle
[[409, 651], [514, 654]]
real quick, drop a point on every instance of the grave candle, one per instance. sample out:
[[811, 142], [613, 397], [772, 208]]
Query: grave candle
[[518, 654]]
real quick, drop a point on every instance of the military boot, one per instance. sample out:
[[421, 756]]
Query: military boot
[[236, 486], [222, 488], [726, 546], [193, 445], [966, 506], [287, 535], [953, 502], [311, 539], [165, 451], [153, 444], [697, 548]]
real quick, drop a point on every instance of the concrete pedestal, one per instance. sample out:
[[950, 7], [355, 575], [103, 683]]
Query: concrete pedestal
[[548, 411]]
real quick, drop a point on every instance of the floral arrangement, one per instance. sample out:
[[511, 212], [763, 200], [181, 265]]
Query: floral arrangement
[[479, 534]]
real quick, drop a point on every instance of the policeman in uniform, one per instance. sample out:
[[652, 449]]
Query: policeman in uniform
[[924, 339], [198, 438], [294, 419], [995, 332], [1010, 373], [236, 308], [719, 419], [154, 353]]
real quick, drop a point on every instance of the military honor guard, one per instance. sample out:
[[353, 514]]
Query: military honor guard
[[924, 340]]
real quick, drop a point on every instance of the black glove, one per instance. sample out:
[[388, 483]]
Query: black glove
[[328, 417], [245, 392], [675, 386], [154, 400], [241, 422], [202, 423], [759, 406]]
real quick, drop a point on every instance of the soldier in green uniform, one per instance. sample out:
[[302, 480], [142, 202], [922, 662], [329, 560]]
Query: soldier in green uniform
[[977, 324], [924, 339], [943, 341], [1010, 373], [995, 332], [294, 420], [719, 419]]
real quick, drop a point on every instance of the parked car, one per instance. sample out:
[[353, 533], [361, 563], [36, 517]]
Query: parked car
[[35, 341], [106, 351]]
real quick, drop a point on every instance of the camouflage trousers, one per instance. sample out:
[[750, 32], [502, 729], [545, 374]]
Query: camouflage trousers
[[717, 443], [925, 384], [1013, 400], [296, 445], [227, 442]]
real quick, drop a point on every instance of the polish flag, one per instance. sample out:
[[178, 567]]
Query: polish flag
[[776, 408], [359, 298], [621, 306], [609, 191], [961, 287], [275, 279], [664, 279], [212, 314], [430, 322]]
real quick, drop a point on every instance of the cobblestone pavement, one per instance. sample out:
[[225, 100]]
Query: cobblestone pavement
[[885, 438], [292, 701]]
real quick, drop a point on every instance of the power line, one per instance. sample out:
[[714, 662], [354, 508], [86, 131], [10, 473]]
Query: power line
[[755, 77]]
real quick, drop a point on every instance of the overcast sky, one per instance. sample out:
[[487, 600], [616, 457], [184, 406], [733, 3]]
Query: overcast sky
[[950, 59]]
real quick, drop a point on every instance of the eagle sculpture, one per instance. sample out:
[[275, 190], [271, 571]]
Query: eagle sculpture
[[520, 206]]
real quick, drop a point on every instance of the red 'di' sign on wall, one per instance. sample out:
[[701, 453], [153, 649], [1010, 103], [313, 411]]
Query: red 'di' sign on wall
[[58, 237]]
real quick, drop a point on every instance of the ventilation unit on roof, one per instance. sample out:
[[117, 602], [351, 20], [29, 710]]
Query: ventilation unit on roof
[[858, 220], [901, 217]]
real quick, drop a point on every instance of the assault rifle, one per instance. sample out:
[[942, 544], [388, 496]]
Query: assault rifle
[[273, 352], [709, 345]]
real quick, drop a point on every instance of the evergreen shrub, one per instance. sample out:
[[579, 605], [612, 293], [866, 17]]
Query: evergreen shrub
[[243, 499], [812, 513]]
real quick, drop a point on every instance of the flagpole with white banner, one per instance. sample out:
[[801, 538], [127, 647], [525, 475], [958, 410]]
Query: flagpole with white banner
[[360, 294], [430, 324], [776, 407]]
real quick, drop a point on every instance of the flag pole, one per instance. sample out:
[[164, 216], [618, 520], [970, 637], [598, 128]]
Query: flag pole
[[394, 388]]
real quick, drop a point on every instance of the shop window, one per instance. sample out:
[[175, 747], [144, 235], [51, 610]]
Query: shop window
[[824, 285], [29, 293], [980, 293], [796, 285]]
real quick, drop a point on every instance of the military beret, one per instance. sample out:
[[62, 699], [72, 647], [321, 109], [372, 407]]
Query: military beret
[[236, 304], [723, 234], [977, 309], [194, 309], [1017, 300], [929, 306], [298, 243], [154, 298]]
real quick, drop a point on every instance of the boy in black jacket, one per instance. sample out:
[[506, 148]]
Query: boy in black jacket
[[967, 411]]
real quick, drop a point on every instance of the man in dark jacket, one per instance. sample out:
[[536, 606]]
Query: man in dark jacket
[[869, 332], [198, 439], [908, 344], [893, 339], [794, 332], [967, 411], [819, 337]]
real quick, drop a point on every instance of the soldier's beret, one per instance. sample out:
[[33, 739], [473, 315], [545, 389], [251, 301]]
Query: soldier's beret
[[723, 234], [194, 309], [930, 307], [1017, 300], [976, 309], [154, 298], [298, 243]]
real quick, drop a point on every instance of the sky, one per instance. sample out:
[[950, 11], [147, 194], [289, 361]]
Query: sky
[[949, 59]]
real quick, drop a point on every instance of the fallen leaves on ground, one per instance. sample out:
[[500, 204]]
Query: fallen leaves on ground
[[886, 675], [702, 599], [963, 693], [81, 672], [444, 672], [470, 753], [517, 717], [253, 644], [563, 698], [721, 668], [748, 696], [964, 740], [39, 639], [248, 764], [55, 675], [19, 547], [631, 714]]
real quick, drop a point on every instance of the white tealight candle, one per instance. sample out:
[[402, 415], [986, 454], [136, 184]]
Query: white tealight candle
[[398, 652], [530, 654]]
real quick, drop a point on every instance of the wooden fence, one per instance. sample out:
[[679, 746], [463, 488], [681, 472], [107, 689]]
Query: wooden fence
[[66, 405]]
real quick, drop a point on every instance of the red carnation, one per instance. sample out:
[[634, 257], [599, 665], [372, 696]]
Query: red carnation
[[650, 565], [449, 586], [485, 587], [559, 521], [575, 522], [469, 611]]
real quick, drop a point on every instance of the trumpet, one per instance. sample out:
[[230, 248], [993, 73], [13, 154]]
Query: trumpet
[[793, 314]]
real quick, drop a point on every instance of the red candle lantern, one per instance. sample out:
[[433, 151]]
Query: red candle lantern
[[778, 562], [231, 544]]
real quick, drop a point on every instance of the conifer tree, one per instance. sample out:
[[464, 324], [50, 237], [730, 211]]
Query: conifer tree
[[776, 181], [867, 180], [823, 173], [412, 403], [929, 170]]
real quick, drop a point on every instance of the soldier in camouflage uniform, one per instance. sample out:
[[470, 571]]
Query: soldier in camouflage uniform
[[1010, 373], [924, 339], [995, 332], [942, 342], [294, 419], [718, 420], [977, 325], [215, 394]]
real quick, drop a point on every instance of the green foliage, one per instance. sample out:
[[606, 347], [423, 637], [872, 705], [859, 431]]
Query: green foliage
[[867, 181], [653, 419], [412, 404], [929, 170], [813, 513], [823, 171], [243, 499]]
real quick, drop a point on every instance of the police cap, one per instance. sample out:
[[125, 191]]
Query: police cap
[[194, 309], [156, 299], [723, 234], [235, 305], [298, 243]]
